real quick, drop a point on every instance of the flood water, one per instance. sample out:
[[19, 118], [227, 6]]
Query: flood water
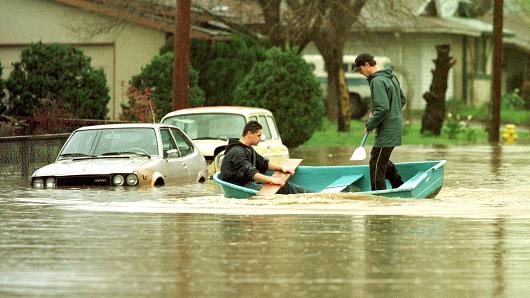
[[472, 240]]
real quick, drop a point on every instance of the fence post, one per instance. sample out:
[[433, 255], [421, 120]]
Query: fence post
[[24, 158]]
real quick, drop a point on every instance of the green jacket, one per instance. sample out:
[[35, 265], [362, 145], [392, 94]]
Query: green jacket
[[387, 108]]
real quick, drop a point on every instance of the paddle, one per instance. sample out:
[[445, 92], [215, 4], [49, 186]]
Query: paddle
[[271, 189], [360, 153]]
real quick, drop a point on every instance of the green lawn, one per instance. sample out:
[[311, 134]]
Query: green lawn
[[328, 136]]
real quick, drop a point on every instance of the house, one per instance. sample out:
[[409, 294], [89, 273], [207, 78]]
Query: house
[[408, 36], [119, 36], [409, 41]]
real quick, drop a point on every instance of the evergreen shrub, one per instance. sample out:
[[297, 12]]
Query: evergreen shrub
[[284, 84], [157, 77], [58, 74], [222, 64]]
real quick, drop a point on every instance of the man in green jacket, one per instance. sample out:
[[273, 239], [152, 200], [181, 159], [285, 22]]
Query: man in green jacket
[[386, 118]]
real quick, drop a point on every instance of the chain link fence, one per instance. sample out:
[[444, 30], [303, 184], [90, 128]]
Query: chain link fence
[[22, 155], [28, 143]]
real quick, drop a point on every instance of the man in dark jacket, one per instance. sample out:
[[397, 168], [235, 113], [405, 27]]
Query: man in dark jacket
[[243, 166], [386, 117]]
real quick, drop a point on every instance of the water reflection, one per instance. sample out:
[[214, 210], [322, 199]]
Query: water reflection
[[498, 256], [190, 241], [496, 160]]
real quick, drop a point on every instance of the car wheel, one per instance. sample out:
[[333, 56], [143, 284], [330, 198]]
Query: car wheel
[[159, 182]]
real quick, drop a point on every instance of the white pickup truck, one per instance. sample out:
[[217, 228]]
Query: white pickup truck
[[358, 88], [211, 127]]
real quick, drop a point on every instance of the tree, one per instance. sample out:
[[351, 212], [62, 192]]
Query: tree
[[433, 117], [284, 83], [60, 74], [329, 24], [222, 64], [157, 77], [330, 40], [141, 107]]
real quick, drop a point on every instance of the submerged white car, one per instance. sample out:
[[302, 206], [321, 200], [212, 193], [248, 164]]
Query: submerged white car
[[124, 155], [211, 127]]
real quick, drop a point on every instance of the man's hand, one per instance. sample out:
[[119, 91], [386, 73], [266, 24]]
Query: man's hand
[[278, 181], [286, 170]]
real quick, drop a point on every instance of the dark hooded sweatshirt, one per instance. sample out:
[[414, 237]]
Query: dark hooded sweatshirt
[[241, 163], [387, 105]]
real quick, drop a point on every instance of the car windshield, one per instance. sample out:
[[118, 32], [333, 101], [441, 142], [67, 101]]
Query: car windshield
[[111, 141], [209, 126]]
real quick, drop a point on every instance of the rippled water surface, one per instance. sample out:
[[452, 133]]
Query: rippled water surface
[[473, 239]]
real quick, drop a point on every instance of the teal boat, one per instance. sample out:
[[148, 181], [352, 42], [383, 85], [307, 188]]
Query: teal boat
[[423, 179]]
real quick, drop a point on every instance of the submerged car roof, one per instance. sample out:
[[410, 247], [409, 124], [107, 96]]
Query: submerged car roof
[[125, 125], [219, 109]]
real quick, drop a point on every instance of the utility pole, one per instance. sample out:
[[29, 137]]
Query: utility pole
[[181, 52], [496, 72]]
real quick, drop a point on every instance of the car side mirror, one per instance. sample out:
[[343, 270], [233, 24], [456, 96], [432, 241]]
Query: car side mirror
[[171, 153]]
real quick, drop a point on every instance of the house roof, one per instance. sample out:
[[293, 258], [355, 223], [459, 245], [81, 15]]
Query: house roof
[[518, 24], [433, 24], [152, 15]]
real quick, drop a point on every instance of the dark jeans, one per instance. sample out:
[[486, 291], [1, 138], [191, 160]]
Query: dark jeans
[[381, 167], [288, 188]]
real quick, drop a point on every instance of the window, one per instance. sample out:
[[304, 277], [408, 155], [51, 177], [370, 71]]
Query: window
[[185, 148], [481, 55], [167, 141], [112, 140], [266, 130], [273, 128], [81, 142], [209, 125]]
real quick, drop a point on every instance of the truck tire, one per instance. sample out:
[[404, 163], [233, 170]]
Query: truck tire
[[358, 108]]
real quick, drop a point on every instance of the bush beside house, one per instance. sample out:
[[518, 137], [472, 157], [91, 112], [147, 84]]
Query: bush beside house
[[157, 78], [59, 77], [284, 83], [222, 64]]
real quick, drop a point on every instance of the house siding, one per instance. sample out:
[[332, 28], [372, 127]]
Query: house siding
[[121, 52]]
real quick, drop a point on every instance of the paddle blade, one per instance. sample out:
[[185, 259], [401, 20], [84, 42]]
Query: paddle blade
[[358, 154]]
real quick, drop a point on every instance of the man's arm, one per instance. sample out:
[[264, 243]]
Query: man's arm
[[273, 180], [277, 167], [268, 179], [380, 103]]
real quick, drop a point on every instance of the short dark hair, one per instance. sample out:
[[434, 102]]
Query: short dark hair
[[253, 126], [363, 58]]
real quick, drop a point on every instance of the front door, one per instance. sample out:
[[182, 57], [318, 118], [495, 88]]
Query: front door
[[175, 168]]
